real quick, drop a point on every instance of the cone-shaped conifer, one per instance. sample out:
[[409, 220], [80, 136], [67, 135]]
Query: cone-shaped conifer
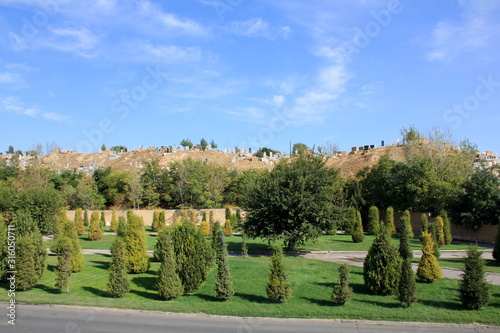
[[168, 283], [342, 292], [223, 286], [389, 221], [80, 228], [407, 289], [95, 231], [474, 290], [429, 269], [118, 282], [114, 221], [373, 220], [135, 238], [278, 287], [63, 248]]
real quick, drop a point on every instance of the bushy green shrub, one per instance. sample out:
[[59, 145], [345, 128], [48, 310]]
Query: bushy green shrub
[[429, 269], [448, 238], [223, 286], [205, 228], [440, 231], [118, 282], [406, 219], [228, 230], [407, 288], [373, 220], [342, 292], [135, 239], [77, 261], [95, 230], [474, 290], [63, 249], [86, 218], [278, 287], [404, 242], [168, 283], [357, 230], [80, 228], [114, 222], [389, 221]]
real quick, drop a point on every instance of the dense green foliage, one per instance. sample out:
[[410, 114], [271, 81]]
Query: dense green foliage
[[67, 229], [64, 249], [342, 291], [118, 281], [194, 256], [373, 220], [114, 221], [407, 287], [295, 201], [223, 286], [168, 283], [159, 250], [429, 269], [389, 221], [448, 238], [404, 242], [357, 229], [382, 265], [474, 289], [135, 240], [496, 249], [95, 230], [406, 219], [278, 287]]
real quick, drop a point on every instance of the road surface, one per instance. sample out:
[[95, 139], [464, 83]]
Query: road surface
[[72, 319]]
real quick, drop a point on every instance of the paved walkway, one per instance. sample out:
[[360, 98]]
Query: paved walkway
[[357, 258]]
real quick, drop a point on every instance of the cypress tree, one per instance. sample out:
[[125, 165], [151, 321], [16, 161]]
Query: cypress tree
[[224, 286], [103, 221], [118, 282], [448, 238], [228, 213], [474, 290], [192, 216], [194, 256], [204, 216], [244, 245], [80, 228], [407, 288], [278, 288], [342, 292], [429, 269], [114, 222], [162, 222], [135, 238], [215, 228], [86, 218], [95, 231], [496, 250], [425, 224], [357, 231], [64, 248], [440, 231], [205, 228], [156, 221], [159, 251], [121, 228], [77, 261], [382, 265], [406, 219], [373, 220], [228, 230], [389, 221], [404, 242], [433, 233], [168, 283]]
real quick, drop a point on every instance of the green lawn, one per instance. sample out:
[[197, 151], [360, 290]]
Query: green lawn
[[312, 283], [491, 265]]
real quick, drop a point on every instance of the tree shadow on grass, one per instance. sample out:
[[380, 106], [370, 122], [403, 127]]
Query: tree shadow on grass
[[321, 302], [51, 268], [441, 304], [254, 298], [359, 288], [47, 289], [100, 264], [394, 305], [146, 282], [97, 292], [146, 294], [208, 298]]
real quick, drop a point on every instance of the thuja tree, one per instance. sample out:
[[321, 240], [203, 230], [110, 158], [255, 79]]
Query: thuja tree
[[428, 267], [162, 221], [407, 288], [80, 228], [135, 238], [223, 286], [63, 248], [168, 283], [156, 220], [433, 233], [425, 224], [95, 231], [389, 221], [474, 290], [228, 230], [448, 238], [342, 292], [103, 220], [31, 253], [118, 281], [114, 221], [205, 228], [194, 256], [86, 218], [121, 228], [440, 231], [68, 230], [382, 265], [406, 219], [373, 220], [159, 250], [496, 250], [278, 287], [357, 228], [404, 242]]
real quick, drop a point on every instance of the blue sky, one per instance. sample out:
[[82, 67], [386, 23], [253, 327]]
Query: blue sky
[[247, 73]]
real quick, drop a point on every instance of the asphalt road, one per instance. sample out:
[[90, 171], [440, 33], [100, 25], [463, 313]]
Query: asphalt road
[[72, 319]]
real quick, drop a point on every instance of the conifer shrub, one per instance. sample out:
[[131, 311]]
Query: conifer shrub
[[406, 219], [429, 269], [205, 228], [228, 230], [135, 238], [156, 221], [86, 218], [223, 286], [425, 224], [211, 217], [215, 228], [159, 250], [342, 292], [162, 222], [194, 256], [80, 228], [405, 251], [168, 283], [114, 221], [184, 217], [357, 231], [389, 221], [440, 231], [103, 220], [433, 232], [228, 213], [175, 221], [118, 281], [63, 249], [77, 261], [95, 230], [373, 220], [121, 228], [496, 249], [448, 238], [204, 216], [382, 265], [278, 287], [192, 216], [407, 288], [474, 290]]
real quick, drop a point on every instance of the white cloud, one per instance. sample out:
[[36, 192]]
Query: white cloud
[[145, 50], [258, 28], [13, 104], [78, 41], [14, 80], [476, 30]]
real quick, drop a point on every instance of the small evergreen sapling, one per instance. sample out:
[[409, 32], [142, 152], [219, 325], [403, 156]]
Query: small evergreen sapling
[[86, 218], [389, 221], [103, 220], [114, 221], [357, 229], [406, 219], [95, 231], [223, 286], [425, 224], [448, 238], [429, 269], [228, 230], [118, 282], [407, 288], [342, 292], [373, 220], [440, 231], [135, 238], [63, 248], [278, 287], [168, 283], [80, 228], [474, 290], [121, 228]]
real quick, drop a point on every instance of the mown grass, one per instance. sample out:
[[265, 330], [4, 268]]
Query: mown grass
[[312, 282]]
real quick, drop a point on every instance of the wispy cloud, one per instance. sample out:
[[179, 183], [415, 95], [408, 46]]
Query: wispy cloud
[[13, 104], [258, 28], [13, 80], [171, 54], [476, 30]]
